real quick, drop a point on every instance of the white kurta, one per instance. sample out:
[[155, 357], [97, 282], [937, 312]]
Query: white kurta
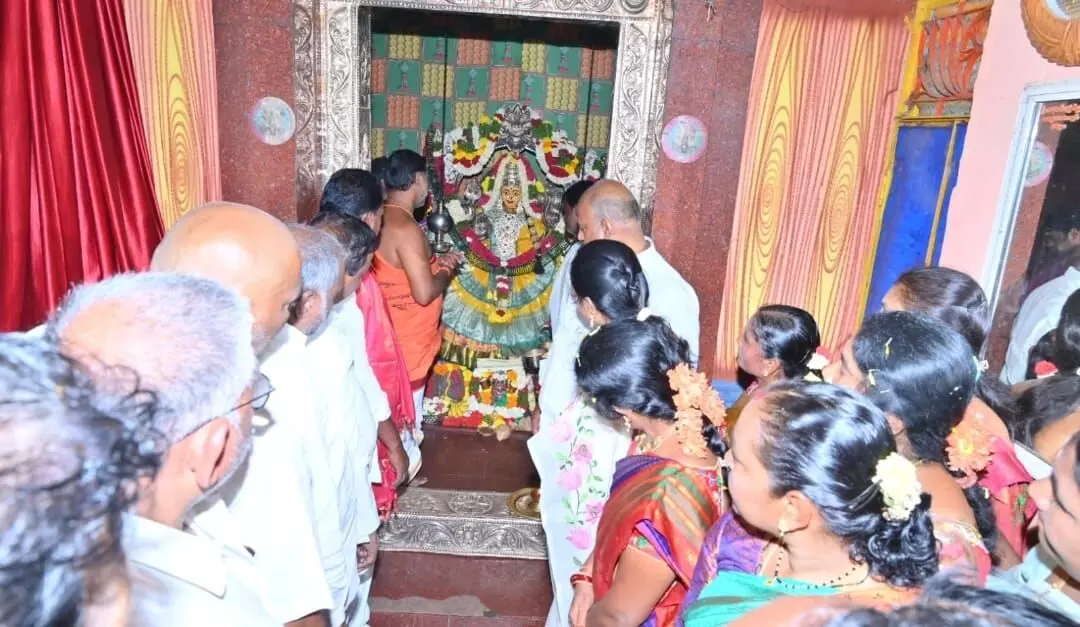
[[284, 502], [672, 298], [1038, 315], [562, 293], [331, 362], [350, 319], [183, 577], [575, 451]]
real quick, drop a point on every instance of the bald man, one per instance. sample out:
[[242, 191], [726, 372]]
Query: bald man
[[279, 500], [608, 210], [244, 248]]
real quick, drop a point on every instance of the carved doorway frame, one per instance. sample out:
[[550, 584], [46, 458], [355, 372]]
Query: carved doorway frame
[[332, 77]]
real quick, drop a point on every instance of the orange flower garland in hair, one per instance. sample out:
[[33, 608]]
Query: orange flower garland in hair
[[970, 449], [694, 398]]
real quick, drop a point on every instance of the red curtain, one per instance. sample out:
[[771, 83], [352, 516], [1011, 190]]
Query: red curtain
[[76, 190]]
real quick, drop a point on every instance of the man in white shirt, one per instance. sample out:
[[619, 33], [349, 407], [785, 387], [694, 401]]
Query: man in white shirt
[[358, 242], [349, 430], [561, 294], [188, 341], [272, 498], [1038, 315], [609, 211]]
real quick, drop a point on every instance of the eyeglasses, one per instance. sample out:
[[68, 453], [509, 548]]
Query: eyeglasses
[[260, 392]]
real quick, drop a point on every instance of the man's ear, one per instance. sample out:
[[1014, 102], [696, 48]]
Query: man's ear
[[309, 300], [211, 452], [605, 227]]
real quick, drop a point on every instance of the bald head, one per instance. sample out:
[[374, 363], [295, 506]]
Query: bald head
[[244, 248], [608, 210]]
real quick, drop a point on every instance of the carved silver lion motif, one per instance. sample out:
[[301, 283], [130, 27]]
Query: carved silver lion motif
[[468, 523]]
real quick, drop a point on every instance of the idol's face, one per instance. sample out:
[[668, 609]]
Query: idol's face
[[511, 197]]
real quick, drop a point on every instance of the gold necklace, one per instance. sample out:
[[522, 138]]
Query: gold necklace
[[390, 204], [647, 444]]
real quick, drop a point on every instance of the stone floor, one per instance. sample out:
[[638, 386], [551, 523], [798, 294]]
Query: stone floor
[[462, 459], [441, 590]]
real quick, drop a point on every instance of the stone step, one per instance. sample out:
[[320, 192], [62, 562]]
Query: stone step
[[466, 523]]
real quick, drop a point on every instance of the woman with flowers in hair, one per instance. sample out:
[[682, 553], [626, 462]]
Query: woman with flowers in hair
[[826, 508], [667, 493], [921, 374], [957, 300], [778, 342]]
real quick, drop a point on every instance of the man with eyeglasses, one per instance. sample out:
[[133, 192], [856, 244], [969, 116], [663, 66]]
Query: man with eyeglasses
[[286, 489], [197, 362]]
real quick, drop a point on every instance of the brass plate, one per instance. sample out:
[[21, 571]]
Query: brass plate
[[524, 503]]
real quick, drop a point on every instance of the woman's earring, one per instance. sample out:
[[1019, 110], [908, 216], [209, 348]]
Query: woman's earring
[[782, 528]]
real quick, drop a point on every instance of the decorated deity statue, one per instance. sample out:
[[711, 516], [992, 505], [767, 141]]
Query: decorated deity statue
[[501, 177]]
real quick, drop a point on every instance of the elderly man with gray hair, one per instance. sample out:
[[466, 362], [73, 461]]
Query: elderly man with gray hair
[[285, 492], [349, 429], [71, 458], [188, 341]]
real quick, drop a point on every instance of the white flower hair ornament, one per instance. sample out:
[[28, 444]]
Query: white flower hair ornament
[[816, 363], [898, 480], [818, 360], [644, 314]]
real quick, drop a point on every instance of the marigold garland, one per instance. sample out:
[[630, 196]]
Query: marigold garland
[[970, 450]]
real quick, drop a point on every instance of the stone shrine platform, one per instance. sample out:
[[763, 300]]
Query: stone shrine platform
[[455, 555]]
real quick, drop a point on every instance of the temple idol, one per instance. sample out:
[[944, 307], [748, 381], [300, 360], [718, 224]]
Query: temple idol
[[503, 177]]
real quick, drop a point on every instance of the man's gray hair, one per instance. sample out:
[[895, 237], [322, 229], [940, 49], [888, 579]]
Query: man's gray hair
[[187, 339], [321, 256], [71, 460], [617, 209]]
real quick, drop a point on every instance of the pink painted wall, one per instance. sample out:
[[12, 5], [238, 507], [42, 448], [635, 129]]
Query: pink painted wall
[[1009, 64]]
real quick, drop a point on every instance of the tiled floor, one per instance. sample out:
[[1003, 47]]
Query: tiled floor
[[433, 590], [461, 459]]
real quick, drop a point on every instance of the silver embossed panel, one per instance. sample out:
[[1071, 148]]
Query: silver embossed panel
[[331, 75], [457, 522]]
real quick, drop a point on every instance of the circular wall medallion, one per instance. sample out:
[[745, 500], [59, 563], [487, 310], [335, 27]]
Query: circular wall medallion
[[684, 139], [1039, 165], [1053, 36], [272, 121]]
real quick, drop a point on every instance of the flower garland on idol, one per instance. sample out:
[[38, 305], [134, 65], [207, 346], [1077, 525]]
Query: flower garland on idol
[[468, 148]]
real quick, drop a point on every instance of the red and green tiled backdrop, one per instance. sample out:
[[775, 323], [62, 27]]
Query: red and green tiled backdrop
[[451, 70]]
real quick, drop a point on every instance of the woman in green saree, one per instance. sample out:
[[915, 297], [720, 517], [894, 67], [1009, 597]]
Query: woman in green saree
[[843, 513]]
